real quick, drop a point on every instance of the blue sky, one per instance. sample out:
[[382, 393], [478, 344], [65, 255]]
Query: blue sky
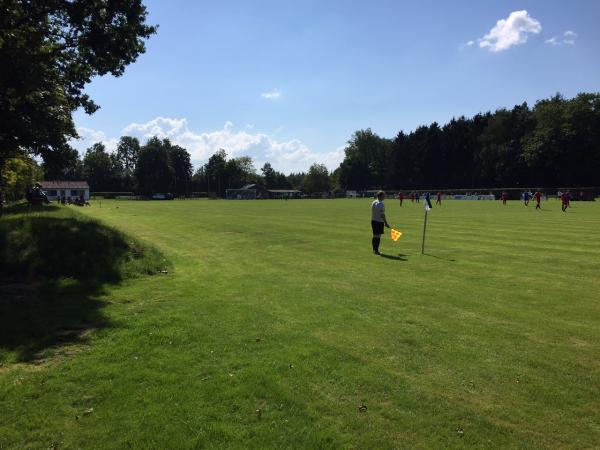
[[289, 82]]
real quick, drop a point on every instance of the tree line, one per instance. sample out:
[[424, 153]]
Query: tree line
[[555, 143], [160, 166], [220, 174], [157, 166]]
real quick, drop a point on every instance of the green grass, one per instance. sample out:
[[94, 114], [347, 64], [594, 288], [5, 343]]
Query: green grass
[[55, 264], [490, 340]]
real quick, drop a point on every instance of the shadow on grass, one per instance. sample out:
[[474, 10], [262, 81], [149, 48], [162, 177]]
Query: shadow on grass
[[42, 317], [26, 208], [53, 269], [399, 257]]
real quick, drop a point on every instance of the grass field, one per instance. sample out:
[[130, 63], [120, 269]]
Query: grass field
[[275, 324]]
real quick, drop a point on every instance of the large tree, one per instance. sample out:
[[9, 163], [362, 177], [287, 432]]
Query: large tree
[[296, 180], [49, 51], [274, 179], [216, 172], [63, 164], [18, 174], [180, 161], [200, 180], [268, 175], [220, 174], [317, 179], [127, 154], [103, 170], [153, 171], [240, 171], [366, 162]]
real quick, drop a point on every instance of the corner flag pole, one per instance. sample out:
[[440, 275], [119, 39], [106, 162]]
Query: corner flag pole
[[427, 209], [424, 230]]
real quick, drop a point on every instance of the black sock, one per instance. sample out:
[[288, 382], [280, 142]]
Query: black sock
[[377, 241]]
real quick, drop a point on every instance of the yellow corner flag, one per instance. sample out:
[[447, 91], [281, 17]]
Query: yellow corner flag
[[396, 235]]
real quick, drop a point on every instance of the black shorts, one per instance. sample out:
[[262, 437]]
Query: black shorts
[[377, 227]]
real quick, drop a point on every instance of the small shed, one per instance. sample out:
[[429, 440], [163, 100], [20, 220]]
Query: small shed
[[246, 192], [68, 189]]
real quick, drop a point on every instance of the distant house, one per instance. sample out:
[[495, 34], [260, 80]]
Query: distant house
[[284, 193], [255, 191], [68, 189], [246, 192]]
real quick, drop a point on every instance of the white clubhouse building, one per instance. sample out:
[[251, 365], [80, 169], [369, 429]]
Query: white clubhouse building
[[68, 189]]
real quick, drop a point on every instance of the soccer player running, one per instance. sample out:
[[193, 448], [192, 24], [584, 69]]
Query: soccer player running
[[565, 201], [526, 198], [427, 198], [538, 199], [378, 221], [401, 197], [438, 198]]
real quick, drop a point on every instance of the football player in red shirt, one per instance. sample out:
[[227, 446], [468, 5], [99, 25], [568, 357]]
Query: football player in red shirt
[[538, 198], [565, 201]]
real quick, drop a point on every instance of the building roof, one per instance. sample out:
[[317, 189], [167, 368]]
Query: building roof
[[248, 186], [65, 184], [283, 191]]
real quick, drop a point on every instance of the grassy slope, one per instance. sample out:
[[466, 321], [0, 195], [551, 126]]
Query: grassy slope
[[491, 340]]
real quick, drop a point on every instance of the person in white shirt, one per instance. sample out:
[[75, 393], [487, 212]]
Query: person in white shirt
[[378, 221]]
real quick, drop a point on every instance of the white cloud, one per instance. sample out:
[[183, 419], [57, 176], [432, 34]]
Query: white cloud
[[285, 156], [567, 38], [511, 31], [272, 94], [88, 137], [162, 127], [464, 45]]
